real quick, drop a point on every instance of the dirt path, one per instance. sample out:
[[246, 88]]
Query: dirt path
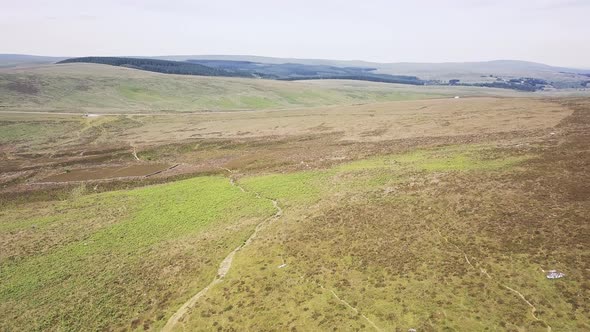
[[533, 309], [225, 265], [134, 153], [277, 215], [348, 305], [355, 310], [485, 273]]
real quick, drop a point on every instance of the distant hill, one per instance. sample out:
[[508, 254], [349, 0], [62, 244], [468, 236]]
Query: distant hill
[[466, 72], [489, 71], [14, 60], [226, 68], [283, 70], [510, 74], [270, 60], [156, 65], [297, 71], [502, 65], [99, 88]]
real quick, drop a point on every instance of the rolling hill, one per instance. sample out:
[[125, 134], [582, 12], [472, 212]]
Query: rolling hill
[[14, 60], [100, 88], [471, 72], [286, 71], [158, 66], [483, 72]]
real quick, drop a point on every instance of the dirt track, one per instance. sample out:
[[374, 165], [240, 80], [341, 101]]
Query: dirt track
[[225, 265]]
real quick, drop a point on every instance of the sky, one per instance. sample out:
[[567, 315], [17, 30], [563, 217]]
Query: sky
[[555, 32]]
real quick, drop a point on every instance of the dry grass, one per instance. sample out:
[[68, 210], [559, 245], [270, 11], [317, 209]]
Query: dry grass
[[260, 138], [373, 122]]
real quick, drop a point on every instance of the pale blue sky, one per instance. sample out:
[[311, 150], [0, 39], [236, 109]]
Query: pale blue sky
[[551, 31]]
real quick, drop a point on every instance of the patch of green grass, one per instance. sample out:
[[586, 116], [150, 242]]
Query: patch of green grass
[[7, 225], [138, 93], [256, 102], [98, 280], [33, 132], [309, 186], [452, 158], [290, 189]]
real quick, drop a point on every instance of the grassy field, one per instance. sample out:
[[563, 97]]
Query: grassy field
[[101, 88], [106, 89], [438, 214], [104, 260]]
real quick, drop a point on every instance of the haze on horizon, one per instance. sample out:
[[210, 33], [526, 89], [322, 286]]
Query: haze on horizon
[[549, 31]]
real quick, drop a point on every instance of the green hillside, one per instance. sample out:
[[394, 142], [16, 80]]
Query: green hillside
[[96, 88]]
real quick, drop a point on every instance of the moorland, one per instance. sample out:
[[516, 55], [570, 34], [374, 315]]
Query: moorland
[[133, 200]]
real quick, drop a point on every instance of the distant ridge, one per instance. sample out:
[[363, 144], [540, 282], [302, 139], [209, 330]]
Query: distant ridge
[[156, 65], [227, 68], [485, 73], [476, 72], [491, 64], [13, 60]]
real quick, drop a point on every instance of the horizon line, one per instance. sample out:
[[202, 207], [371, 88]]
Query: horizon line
[[304, 58]]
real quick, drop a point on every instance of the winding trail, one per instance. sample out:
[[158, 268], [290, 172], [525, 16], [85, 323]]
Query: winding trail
[[134, 153], [277, 215], [533, 309], [355, 310], [225, 265], [485, 273], [346, 304]]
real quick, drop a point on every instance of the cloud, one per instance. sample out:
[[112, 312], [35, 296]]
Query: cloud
[[550, 31], [566, 4]]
